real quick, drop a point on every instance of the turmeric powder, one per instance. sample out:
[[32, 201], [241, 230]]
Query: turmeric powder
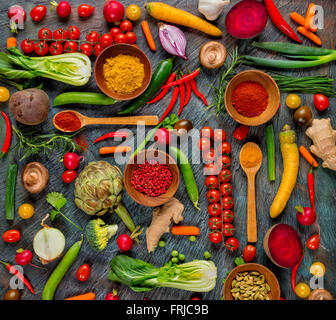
[[250, 156]]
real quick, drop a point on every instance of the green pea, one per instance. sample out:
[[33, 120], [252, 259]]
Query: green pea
[[207, 255], [192, 238], [174, 253], [174, 260], [181, 257], [162, 244]]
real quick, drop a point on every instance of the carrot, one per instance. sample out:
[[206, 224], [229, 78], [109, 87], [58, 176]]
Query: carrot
[[301, 20], [85, 296], [117, 149], [313, 37], [310, 16], [165, 12], [307, 155], [185, 231], [11, 42], [148, 35]]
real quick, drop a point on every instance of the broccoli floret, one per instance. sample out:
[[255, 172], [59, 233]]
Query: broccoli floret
[[98, 233]]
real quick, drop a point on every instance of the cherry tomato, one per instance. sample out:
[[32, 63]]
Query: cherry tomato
[[228, 216], [70, 46], [27, 46], [215, 237], [241, 132], [56, 48], [225, 175], [41, 48], [302, 290], [120, 38], [213, 195], [26, 211], [71, 160], [224, 161], [228, 230], [106, 40], [4, 94], [219, 135], [227, 202], [214, 209], [249, 253], [114, 31], [204, 144], [215, 223], [224, 147], [83, 272], [125, 242], [212, 182], [225, 189], [321, 102], [232, 244], [97, 49], [85, 10], [93, 36], [131, 37], [69, 176], [126, 26], [38, 13], [313, 242], [11, 236], [73, 33], [209, 155], [45, 34], [12, 294], [210, 169], [317, 269], [133, 12], [293, 101], [86, 48], [60, 34], [207, 132]]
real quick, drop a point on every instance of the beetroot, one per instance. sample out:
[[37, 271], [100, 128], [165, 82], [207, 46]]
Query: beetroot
[[246, 19], [283, 246]]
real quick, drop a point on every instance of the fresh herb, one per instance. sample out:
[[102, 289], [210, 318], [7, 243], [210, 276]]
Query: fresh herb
[[58, 201], [239, 261]]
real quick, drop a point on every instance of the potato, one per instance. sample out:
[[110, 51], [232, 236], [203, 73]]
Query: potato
[[30, 106]]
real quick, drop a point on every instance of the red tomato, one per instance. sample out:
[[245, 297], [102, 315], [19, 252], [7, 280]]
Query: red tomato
[[59, 34], [38, 13], [69, 176], [45, 34], [41, 48], [215, 223], [207, 132], [225, 175], [73, 33], [209, 155], [241, 132], [86, 49], [106, 40], [215, 237], [228, 216], [227, 202], [56, 48], [120, 38], [114, 31], [249, 253], [214, 209], [11, 236], [219, 135], [228, 230], [204, 144], [93, 36], [126, 26], [131, 37], [321, 102], [213, 195], [27, 46], [225, 189], [70, 46], [83, 272], [211, 182], [85, 10], [313, 242], [63, 9], [232, 244], [224, 162], [224, 147], [210, 169], [97, 49]]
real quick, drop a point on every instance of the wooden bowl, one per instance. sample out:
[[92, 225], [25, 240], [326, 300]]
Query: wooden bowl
[[273, 97], [131, 166], [270, 278], [115, 50]]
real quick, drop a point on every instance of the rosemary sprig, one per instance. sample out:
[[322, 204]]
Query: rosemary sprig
[[31, 143]]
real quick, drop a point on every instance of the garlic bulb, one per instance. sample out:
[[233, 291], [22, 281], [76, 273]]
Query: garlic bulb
[[212, 9]]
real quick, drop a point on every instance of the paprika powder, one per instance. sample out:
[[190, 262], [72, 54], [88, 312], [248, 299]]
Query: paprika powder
[[68, 121], [250, 99]]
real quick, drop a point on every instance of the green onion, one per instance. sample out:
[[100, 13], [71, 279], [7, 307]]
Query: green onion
[[270, 152], [12, 171]]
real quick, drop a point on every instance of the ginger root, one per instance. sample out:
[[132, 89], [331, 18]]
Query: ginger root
[[324, 140], [162, 218]]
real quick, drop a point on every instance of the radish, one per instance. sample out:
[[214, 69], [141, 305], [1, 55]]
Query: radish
[[162, 137], [305, 216], [71, 160], [125, 242], [63, 9], [113, 11], [23, 257], [112, 295]]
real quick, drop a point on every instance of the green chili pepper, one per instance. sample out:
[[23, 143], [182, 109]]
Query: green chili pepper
[[12, 171], [83, 98], [187, 174], [61, 269], [159, 77], [270, 152]]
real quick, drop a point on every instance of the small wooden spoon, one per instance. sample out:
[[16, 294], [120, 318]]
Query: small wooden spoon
[[85, 121], [251, 205]]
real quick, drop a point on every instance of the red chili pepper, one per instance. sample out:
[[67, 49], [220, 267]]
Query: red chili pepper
[[197, 93], [187, 99], [185, 78], [172, 102], [182, 97], [19, 275], [241, 132], [311, 188], [294, 271], [279, 21], [164, 90], [112, 135], [8, 137]]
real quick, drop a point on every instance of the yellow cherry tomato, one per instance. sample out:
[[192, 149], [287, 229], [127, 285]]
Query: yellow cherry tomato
[[133, 12], [317, 269], [4, 94], [302, 290], [293, 101], [26, 211]]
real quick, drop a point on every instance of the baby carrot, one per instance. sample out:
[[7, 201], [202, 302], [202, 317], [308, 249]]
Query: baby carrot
[[11, 42], [310, 16], [148, 35], [185, 231], [85, 296], [313, 37], [301, 20], [307, 155], [116, 149]]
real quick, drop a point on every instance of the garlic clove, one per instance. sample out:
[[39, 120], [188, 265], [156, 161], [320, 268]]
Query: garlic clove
[[212, 9]]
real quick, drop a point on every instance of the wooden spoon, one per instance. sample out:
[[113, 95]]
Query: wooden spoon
[[146, 120], [251, 205]]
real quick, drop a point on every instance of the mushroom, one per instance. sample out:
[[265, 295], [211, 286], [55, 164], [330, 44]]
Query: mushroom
[[212, 55], [320, 294], [35, 177]]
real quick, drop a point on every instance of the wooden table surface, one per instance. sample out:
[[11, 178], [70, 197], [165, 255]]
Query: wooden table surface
[[265, 191]]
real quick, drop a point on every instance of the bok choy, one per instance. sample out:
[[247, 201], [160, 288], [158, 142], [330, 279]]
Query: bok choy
[[197, 275]]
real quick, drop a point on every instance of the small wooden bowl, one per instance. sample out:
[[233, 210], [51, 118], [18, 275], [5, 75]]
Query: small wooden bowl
[[115, 50], [273, 97], [270, 278], [131, 166]]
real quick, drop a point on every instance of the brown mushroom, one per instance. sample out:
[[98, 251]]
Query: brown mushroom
[[320, 294], [212, 55], [35, 177]]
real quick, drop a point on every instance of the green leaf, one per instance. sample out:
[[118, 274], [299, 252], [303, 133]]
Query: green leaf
[[239, 261], [53, 214], [57, 200]]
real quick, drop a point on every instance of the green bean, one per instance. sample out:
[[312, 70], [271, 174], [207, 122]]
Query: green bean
[[270, 151], [60, 271], [10, 190], [83, 98]]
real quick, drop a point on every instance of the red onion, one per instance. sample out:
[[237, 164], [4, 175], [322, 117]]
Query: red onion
[[173, 40]]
